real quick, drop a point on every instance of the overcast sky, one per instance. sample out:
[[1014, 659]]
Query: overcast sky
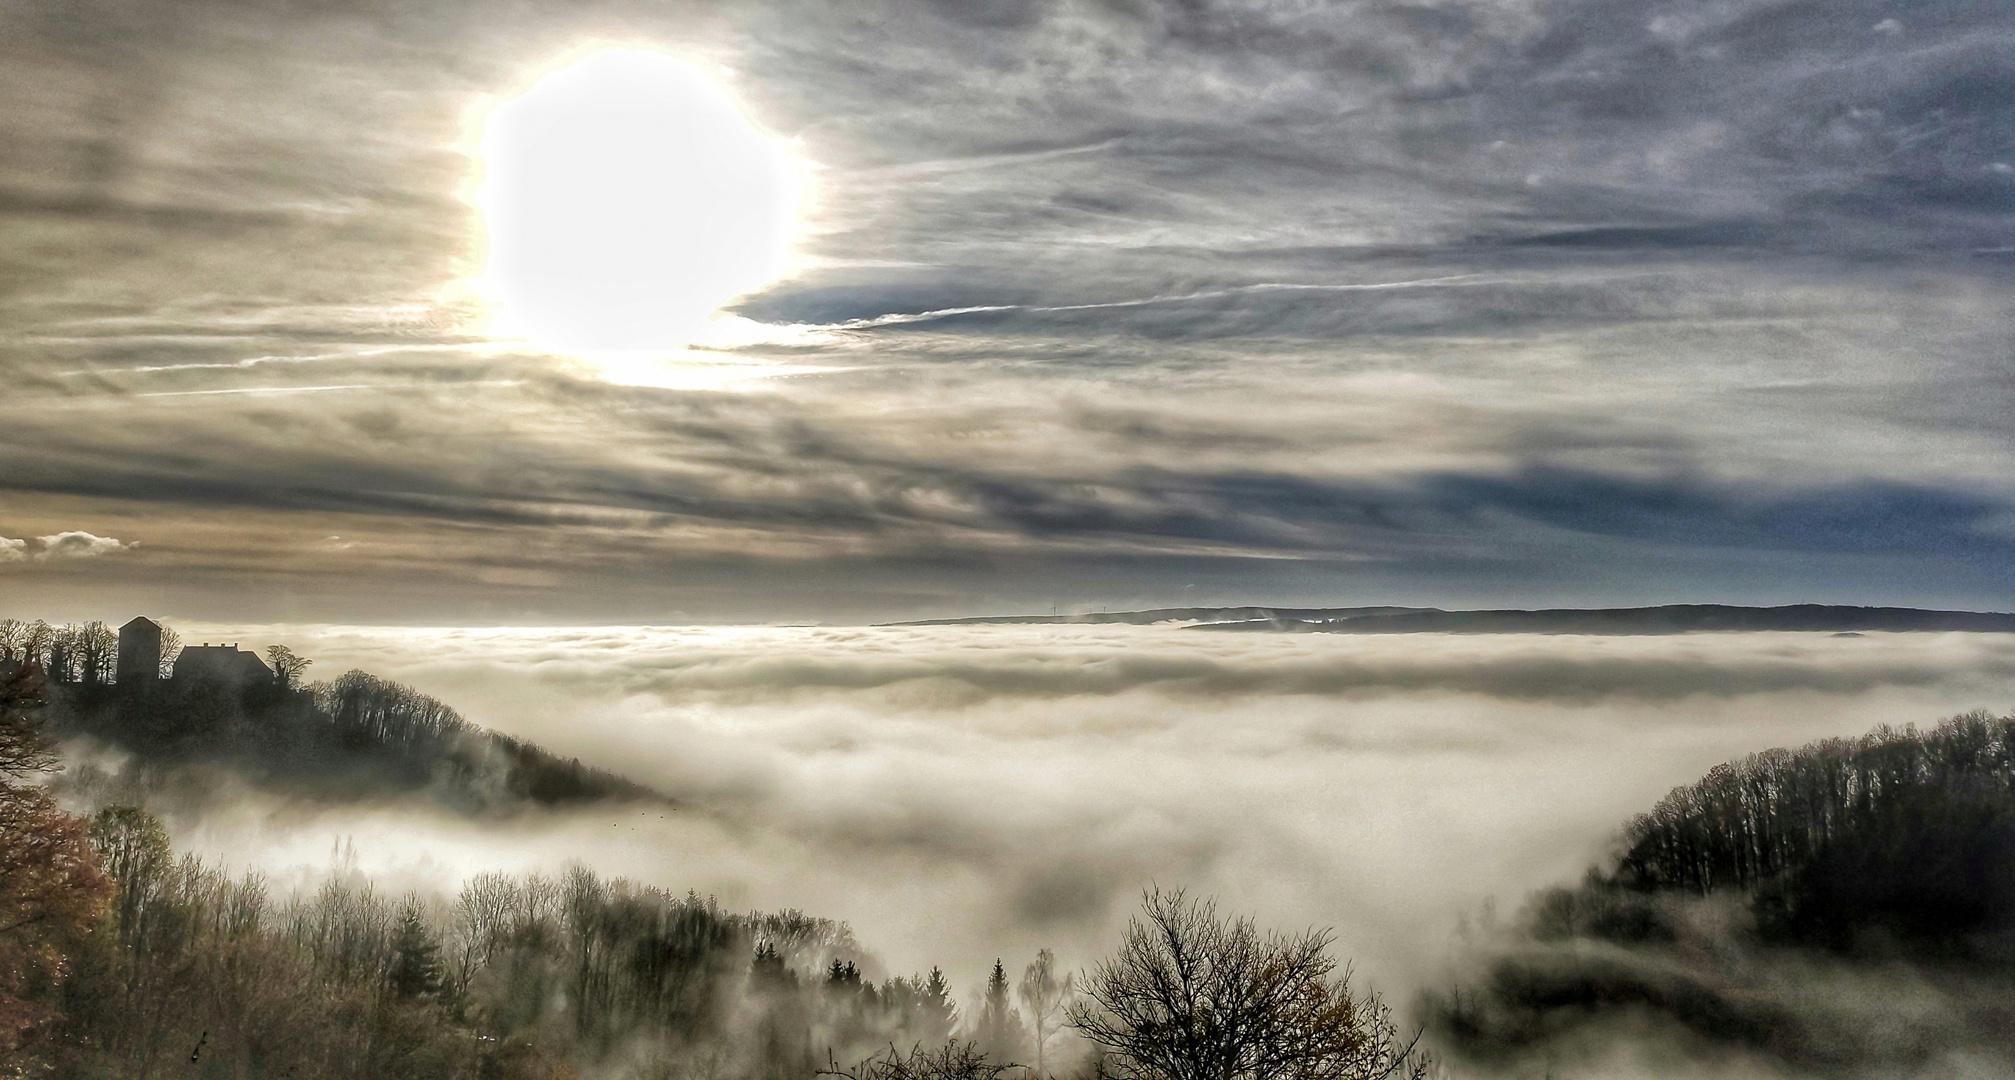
[[1114, 304]]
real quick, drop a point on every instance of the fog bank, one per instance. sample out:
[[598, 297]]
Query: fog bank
[[958, 793]]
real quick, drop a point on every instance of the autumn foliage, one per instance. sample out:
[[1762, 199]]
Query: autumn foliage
[[52, 892], [1192, 996]]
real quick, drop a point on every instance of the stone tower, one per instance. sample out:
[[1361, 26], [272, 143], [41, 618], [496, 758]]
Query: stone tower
[[140, 651]]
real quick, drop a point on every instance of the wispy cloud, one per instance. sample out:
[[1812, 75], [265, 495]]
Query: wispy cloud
[[898, 319], [1095, 301]]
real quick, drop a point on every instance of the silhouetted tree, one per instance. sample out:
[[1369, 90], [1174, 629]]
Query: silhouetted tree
[[1194, 997], [171, 647], [1903, 830], [936, 1016], [954, 1061], [997, 1030], [23, 751], [62, 654], [416, 958], [287, 667], [781, 1033], [97, 649], [132, 845], [36, 643]]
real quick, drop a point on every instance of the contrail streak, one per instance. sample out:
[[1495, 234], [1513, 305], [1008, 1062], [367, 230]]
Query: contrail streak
[[904, 318]]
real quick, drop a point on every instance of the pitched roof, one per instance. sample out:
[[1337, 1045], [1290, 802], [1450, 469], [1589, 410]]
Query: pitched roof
[[227, 661]]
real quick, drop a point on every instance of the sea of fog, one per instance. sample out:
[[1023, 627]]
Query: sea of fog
[[962, 793]]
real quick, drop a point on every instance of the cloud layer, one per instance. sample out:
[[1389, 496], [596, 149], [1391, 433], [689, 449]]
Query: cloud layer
[[73, 544], [1367, 301], [961, 793]]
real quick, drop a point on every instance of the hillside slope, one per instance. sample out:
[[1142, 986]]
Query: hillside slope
[[354, 737], [1844, 909]]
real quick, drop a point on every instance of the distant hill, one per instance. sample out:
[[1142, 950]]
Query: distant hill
[[1668, 619], [1182, 614]]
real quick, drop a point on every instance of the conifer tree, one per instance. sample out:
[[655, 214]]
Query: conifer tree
[[935, 1013], [416, 959], [998, 1029]]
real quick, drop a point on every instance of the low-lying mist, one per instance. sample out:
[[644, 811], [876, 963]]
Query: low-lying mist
[[962, 793]]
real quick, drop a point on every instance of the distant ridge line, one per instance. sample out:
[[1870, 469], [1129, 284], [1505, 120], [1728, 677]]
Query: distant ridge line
[[1161, 615], [1663, 619]]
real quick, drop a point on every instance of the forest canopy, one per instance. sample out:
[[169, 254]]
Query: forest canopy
[[1847, 907], [129, 960], [353, 736]]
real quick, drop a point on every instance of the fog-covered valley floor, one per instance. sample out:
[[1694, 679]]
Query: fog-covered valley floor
[[958, 793]]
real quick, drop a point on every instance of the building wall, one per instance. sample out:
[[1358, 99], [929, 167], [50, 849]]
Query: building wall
[[139, 651], [226, 663]]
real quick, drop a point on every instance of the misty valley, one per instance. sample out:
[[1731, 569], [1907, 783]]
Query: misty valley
[[1840, 905], [1007, 540]]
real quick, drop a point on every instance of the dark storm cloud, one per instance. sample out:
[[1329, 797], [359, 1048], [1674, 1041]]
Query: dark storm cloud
[[1437, 291]]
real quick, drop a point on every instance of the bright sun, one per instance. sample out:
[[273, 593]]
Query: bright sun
[[627, 198]]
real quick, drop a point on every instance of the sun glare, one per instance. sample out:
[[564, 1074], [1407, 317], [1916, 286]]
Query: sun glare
[[627, 198]]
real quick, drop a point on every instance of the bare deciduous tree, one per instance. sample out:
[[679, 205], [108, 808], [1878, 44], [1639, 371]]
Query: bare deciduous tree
[[132, 846], [482, 922], [287, 667], [171, 647], [62, 662], [36, 642], [1194, 997], [1044, 998], [97, 652], [953, 1061], [23, 751]]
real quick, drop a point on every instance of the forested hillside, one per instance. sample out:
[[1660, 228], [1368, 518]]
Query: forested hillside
[[1847, 907], [353, 737], [119, 959], [1899, 836]]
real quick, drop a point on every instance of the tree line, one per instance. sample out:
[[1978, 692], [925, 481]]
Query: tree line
[[119, 958], [1907, 831], [69, 653], [1752, 911], [353, 734]]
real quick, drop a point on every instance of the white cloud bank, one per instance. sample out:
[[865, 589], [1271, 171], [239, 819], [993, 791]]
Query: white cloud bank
[[76, 544], [12, 550], [962, 793]]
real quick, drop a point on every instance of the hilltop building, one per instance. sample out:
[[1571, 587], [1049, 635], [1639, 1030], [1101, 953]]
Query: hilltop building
[[140, 661], [224, 663], [140, 651]]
